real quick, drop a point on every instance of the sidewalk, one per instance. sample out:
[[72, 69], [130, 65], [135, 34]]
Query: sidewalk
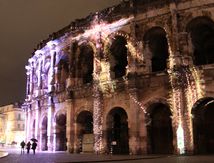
[[59, 157]]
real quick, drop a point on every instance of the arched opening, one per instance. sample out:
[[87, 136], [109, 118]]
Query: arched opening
[[203, 126], [156, 42], [86, 63], [62, 72], [118, 57], [44, 134], [117, 131], [160, 134], [201, 30], [61, 139], [85, 132]]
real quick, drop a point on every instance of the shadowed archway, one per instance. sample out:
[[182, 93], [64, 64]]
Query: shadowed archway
[[203, 126], [44, 134], [160, 134], [117, 131], [156, 41], [201, 31], [61, 139], [85, 132]]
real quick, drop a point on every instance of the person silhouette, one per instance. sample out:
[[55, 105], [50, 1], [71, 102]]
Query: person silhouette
[[22, 144], [34, 147], [28, 147]]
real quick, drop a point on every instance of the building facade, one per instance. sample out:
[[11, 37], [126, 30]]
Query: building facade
[[12, 124], [134, 78]]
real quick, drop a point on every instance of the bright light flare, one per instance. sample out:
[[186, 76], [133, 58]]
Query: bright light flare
[[102, 29]]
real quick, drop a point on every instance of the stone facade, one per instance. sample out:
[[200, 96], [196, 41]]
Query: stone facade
[[12, 124], [134, 78]]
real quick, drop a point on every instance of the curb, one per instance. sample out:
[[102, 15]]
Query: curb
[[3, 154]]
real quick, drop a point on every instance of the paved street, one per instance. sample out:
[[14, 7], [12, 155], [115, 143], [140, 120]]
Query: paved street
[[62, 157]]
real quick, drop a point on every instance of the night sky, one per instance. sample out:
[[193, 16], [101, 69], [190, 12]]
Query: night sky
[[23, 23]]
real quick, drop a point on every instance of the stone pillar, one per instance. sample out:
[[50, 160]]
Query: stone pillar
[[50, 124], [40, 139], [70, 126], [51, 77], [28, 124], [39, 77], [31, 79], [98, 121], [37, 123], [76, 141], [179, 77], [186, 48], [147, 58], [133, 121]]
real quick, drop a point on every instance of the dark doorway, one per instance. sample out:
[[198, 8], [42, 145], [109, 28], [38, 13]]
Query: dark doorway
[[158, 45], [61, 132], [44, 134], [117, 131], [118, 58], [203, 126], [201, 30], [160, 132], [85, 132]]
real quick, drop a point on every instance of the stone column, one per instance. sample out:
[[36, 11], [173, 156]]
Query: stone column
[[134, 127], [31, 79], [51, 77], [147, 58], [26, 124], [70, 126], [98, 120], [50, 126], [179, 77]]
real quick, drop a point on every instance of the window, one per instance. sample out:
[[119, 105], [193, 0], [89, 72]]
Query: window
[[19, 116]]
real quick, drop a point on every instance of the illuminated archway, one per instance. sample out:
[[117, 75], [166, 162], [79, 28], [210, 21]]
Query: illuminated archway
[[85, 131], [160, 134], [156, 41], [203, 126], [117, 131], [61, 139], [201, 31]]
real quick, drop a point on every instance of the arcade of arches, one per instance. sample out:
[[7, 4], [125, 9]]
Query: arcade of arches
[[136, 83]]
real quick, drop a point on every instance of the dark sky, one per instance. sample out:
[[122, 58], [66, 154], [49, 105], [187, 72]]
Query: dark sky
[[23, 23]]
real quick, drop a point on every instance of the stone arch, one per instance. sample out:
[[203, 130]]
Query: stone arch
[[201, 33], [62, 73], [117, 131], [84, 129], [149, 103], [159, 128], [44, 132], [203, 126], [85, 62], [60, 131], [128, 53], [156, 48]]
